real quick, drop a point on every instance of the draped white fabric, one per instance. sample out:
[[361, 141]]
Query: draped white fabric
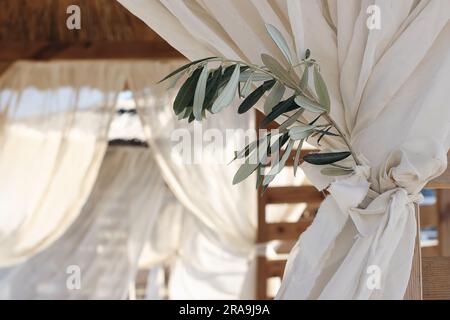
[[54, 121], [71, 112], [200, 267], [389, 90], [105, 241], [193, 159]]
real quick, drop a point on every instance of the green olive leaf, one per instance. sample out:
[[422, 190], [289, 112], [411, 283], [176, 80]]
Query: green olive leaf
[[254, 97], [326, 158], [186, 66], [301, 131], [305, 78], [278, 166], [278, 70], [331, 171], [309, 105], [321, 89], [291, 120], [244, 171], [274, 97], [297, 156], [280, 41], [227, 95], [199, 96], [185, 95]]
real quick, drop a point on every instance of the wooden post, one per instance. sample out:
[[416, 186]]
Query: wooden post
[[414, 290], [444, 222]]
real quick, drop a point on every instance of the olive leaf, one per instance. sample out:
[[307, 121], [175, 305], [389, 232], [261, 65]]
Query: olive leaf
[[282, 107], [256, 76], [301, 131], [297, 156], [278, 166], [200, 92], [245, 151], [274, 97], [321, 89], [259, 177], [262, 153], [228, 72], [279, 40], [186, 66], [278, 70], [212, 88], [309, 105], [185, 113], [325, 158], [228, 93], [291, 120], [331, 171], [191, 117], [174, 82], [247, 86], [254, 97], [305, 78], [244, 171], [185, 96]]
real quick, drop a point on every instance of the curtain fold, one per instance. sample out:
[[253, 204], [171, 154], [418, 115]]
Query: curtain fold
[[105, 241], [55, 118], [193, 159], [388, 91]]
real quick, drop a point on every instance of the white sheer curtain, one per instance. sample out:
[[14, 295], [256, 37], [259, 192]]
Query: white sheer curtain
[[389, 91], [202, 182], [199, 267], [105, 241], [61, 121], [54, 121]]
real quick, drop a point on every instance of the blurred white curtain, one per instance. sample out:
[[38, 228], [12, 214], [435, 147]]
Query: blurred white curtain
[[193, 159], [54, 121], [200, 267], [389, 91], [106, 240]]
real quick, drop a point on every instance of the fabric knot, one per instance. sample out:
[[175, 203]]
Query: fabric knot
[[388, 205]]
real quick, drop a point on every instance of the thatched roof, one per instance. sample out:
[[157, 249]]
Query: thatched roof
[[36, 29]]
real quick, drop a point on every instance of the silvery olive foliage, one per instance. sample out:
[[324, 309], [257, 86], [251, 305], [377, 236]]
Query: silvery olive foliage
[[211, 84]]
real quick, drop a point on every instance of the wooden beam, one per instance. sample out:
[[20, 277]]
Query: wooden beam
[[289, 195], [285, 230], [86, 50], [443, 204]]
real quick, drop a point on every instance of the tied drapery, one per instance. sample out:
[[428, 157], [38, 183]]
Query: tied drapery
[[388, 91]]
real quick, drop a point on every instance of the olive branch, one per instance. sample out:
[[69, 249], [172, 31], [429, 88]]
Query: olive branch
[[212, 89]]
